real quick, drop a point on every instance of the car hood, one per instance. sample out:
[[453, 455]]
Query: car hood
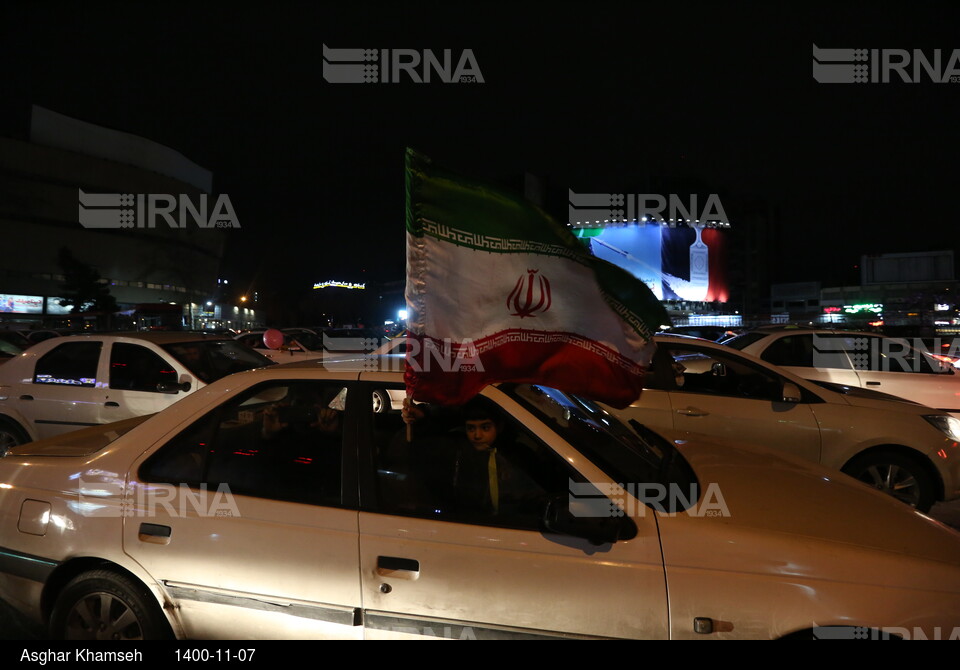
[[755, 493]]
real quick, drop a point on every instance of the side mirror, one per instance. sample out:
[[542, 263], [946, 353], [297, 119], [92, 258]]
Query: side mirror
[[791, 392], [185, 384], [593, 523]]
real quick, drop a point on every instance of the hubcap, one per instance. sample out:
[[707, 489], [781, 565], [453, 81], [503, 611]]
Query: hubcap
[[102, 616], [894, 480], [377, 403]]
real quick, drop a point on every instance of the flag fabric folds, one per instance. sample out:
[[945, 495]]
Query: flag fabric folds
[[499, 291]]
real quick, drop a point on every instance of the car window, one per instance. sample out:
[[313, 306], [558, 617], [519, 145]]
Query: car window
[[743, 341], [791, 350], [254, 340], [71, 364], [280, 440], [211, 360], [7, 349], [892, 354], [631, 456], [12, 343], [714, 373], [438, 473], [136, 368]]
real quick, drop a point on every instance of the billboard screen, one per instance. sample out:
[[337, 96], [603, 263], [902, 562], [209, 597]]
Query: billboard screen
[[677, 263]]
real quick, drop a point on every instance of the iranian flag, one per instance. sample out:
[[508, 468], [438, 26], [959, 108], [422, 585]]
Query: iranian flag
[[499, 291]]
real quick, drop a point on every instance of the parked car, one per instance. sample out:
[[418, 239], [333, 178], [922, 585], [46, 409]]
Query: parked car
[[198, 523], [67, 383], [867, 360], [905, 449]]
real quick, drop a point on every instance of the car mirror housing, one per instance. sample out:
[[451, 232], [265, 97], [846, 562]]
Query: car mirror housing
[[791, 392], [185, 384], [598, 530]]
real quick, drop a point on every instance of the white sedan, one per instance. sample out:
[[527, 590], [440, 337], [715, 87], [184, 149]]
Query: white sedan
[[897, 366], [66, 383], [276, 504], [906, 449]]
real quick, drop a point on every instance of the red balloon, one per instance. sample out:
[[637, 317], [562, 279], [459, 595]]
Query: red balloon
[[273, 338]]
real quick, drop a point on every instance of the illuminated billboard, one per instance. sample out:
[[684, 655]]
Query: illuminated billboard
[[677, 263]]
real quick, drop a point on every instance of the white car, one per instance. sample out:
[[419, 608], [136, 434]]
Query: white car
[[66, 383], [903, 448], [203, 521], [868, 360]]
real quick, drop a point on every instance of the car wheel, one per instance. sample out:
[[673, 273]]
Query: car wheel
[[900, 476], [104, 605], [381, 401], [11, 435]]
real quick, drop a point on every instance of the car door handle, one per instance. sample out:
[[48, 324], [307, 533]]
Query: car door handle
[[693, 411], [390, 564], [26, 397], [154, 533], [110, 403], [873, 383]]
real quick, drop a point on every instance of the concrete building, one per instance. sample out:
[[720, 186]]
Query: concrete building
[[138, 212]]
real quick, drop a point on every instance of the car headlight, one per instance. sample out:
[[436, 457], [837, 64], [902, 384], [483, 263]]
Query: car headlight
[[948, 425]]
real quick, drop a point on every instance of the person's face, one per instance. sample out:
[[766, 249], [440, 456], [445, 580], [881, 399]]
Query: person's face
[[482, 433]]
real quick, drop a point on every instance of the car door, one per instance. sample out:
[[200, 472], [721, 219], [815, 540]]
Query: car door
[[65, 390], [891, 365], [814, 356], [432, 569], [246, 521], [726, 396], [140, 381]]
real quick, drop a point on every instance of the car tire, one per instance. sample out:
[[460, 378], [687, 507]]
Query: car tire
[[901, 476], [381, 401], [11, 435], [105, 605]]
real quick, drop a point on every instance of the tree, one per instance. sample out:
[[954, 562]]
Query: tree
[[84, 290]]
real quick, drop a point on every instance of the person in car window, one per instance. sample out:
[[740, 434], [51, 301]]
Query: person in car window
[[487, 472]]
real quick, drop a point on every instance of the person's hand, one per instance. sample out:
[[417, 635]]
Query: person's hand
[[410, 412], [271, 422], [327, 420]]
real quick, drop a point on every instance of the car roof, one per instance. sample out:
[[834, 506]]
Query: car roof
[[156, 337]]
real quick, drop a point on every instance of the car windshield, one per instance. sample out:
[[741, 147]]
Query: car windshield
[[627, 456], [211, 360], [741, 342], [11, 343]]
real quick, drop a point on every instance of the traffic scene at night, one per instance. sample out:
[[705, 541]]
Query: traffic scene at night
[[475, 322]]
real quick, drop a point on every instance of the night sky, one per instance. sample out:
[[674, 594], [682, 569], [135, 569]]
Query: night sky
[[596, 98]]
